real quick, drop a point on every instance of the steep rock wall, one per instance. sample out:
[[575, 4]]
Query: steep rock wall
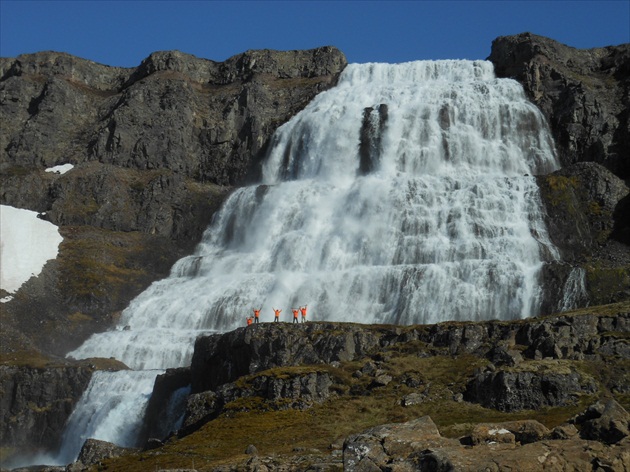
[[36, 402], [584, 93]]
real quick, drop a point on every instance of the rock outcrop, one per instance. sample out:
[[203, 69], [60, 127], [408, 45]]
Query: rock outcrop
[[155, 151], [36, 402], [584, 93]]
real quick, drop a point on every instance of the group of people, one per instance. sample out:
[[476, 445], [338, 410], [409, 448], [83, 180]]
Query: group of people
[[296, 313]]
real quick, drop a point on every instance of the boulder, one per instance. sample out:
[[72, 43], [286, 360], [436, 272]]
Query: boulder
[[94, 451], [606, 421], [378, 448], [418, 446], [522, 432]]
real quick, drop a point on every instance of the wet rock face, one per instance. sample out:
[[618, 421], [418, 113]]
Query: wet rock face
[[583, 94], [588, 221]]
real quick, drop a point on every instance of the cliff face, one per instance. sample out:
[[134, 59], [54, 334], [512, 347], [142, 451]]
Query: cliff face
[[155, 149], [36, 403], [585, 96], [584, 93]]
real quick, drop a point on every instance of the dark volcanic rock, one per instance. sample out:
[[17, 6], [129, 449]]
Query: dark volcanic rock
[[587, 221], [36, 402], [167, 402], [605, 421], [585, 95], [194, 116], [527, 390], [220, 359], [288, 391], [581, 202]]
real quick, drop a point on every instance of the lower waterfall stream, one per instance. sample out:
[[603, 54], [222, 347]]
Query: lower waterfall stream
[[404, 195]]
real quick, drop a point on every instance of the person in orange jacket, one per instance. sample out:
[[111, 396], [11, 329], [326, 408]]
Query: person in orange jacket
[[276, 315], [256, 315], [303, 310], [249, 320], [295, 314]]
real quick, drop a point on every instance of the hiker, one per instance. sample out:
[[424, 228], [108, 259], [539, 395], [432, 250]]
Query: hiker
[[256, 315], [249, 320], [276, 314], [303, 310], [295, 314]]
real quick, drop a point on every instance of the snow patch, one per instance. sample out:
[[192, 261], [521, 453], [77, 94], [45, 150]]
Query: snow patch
[[494, 432], [26, 244], [60, 169]]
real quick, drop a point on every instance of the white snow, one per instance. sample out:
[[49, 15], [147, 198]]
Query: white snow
[[26, 243], [494, 432], [60, 169]]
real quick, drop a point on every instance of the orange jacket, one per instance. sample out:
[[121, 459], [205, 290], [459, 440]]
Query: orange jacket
[[295, 313]]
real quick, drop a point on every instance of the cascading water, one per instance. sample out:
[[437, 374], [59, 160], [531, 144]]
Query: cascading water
[[402, 195]]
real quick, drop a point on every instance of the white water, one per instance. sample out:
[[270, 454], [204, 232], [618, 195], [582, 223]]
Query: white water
[[574, 291], [444, 224]]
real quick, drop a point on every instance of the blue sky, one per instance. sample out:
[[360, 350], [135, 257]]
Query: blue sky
[[122, 33]]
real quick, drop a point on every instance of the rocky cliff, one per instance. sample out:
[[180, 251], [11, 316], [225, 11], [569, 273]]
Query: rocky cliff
[[37, 397], [584, 93], [155, 150]]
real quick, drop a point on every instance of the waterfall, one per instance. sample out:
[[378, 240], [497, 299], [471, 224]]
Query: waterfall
[[574, 292], [402, 195]]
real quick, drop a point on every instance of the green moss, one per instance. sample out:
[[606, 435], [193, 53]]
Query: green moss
[[16, 171], [604, 284], [26, 359], [100, 264], [559, 192]]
